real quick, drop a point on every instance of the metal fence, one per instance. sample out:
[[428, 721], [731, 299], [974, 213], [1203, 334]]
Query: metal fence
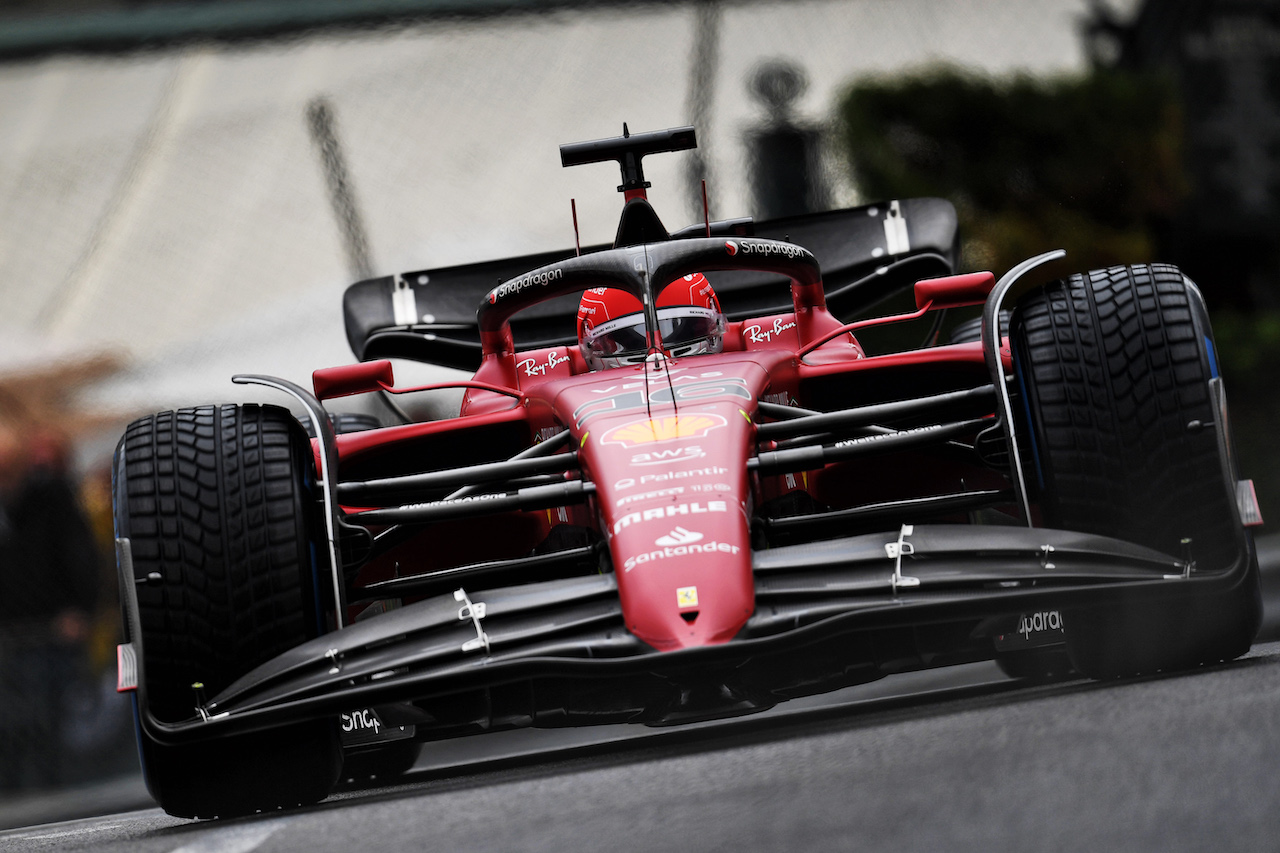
[[198, 209]]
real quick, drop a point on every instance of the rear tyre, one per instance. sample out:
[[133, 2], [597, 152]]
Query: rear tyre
[[343, 422], [216, 504], [970, 331], [1115, 369]]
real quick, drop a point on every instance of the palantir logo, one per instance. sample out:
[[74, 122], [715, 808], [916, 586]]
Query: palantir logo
[[678, 536]]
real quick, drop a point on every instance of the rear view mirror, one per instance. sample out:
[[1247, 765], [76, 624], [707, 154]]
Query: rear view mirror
[[954, 291], [348, 379]]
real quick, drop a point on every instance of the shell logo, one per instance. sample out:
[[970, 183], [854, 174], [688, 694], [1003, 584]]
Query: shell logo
[[655, 430]]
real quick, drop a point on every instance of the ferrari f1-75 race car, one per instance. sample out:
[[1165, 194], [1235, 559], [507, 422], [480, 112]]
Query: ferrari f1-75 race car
[[680, 537]]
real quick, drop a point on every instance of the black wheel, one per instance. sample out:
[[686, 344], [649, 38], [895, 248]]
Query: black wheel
[[216, 504], [970, 331], [1116, 368], [343, 422]]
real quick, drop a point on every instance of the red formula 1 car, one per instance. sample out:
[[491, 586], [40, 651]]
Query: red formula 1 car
[[683, 536]]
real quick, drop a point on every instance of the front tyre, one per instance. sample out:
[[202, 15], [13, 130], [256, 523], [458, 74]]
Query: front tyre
[[1115, 368], [216, 504]]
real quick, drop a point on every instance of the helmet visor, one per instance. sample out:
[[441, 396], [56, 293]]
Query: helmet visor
[[678, 325]]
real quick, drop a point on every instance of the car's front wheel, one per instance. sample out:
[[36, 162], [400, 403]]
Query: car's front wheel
[[216, 504], [1118, 376]]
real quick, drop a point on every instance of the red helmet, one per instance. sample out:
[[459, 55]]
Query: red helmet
[[611, 322]]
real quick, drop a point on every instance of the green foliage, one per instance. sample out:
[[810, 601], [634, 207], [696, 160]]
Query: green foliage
[[1088, 163], [1248, 348]]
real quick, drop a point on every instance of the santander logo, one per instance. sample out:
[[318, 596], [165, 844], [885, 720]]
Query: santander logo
[[678, 536], [731, 247]]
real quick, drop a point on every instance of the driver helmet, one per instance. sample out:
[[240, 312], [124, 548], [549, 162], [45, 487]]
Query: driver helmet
[[611, 323]]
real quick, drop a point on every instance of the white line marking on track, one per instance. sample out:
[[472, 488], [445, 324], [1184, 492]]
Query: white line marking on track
[[65, 833], [235, 839]]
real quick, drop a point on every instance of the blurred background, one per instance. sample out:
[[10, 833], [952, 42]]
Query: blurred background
[[186, 188]]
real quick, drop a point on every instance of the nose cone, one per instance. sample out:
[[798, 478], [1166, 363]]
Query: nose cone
[[691, 584], [671, 490]]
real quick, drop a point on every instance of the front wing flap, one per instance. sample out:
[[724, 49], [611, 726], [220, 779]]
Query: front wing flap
[[574, 627]]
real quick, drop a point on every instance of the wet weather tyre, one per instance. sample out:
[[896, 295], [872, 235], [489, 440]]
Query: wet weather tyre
[[217, 506], [1115, 369], [970, 331], [343, 422]]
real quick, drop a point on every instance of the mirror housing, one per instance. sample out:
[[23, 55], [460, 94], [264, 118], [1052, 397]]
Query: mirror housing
[[954, 291], [348, 379]]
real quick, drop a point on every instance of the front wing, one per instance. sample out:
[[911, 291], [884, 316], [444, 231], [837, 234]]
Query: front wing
[[828, 614]]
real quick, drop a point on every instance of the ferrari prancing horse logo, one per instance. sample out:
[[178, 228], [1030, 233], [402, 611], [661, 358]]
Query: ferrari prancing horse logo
[[656, 430]]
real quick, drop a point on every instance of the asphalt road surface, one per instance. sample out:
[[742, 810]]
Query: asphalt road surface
[[952, 759], [1184, 762]]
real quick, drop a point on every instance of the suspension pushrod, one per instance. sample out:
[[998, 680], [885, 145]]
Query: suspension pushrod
[[536, 497], [934, 504], [874, 414], [779, 412], [418, 584], [542, 448], [358, 491], [816, 456]]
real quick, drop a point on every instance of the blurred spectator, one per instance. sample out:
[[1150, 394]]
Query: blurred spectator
[[784, 155], [49, 585]]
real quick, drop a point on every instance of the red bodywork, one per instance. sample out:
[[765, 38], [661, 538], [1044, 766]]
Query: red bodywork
[[665, 445]]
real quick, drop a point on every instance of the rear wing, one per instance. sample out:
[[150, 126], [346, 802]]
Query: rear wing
[[866, 253]]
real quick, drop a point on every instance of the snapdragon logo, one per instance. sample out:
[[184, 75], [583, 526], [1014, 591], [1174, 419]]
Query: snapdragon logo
[[679, 536], [510, 288], [1036, 623], [761, 248], [365, 718]]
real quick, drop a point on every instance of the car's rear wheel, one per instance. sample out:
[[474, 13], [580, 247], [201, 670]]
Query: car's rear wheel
[[216, 504], [343, 422], [1115, 368]]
